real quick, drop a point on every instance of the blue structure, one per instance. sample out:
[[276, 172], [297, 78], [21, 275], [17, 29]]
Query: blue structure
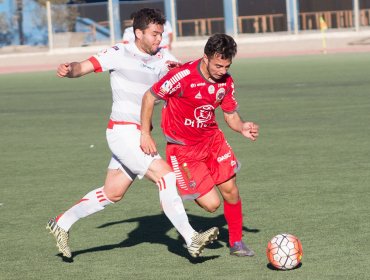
[[116, 20], [170, 12], [292, 7], [230, 15]]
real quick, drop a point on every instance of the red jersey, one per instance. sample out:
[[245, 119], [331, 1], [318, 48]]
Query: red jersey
[[188, 116]]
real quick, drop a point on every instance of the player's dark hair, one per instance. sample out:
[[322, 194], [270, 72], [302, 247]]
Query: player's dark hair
[[220, 44], [132, 15], [146, 16]]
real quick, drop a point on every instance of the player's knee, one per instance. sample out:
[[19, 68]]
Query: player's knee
[[231, 194], [211, 207], [115, 198], [113, 194]]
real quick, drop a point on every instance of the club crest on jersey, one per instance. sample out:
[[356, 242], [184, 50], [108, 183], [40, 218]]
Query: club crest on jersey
[[220, 94], [211, 89], [203, 113]]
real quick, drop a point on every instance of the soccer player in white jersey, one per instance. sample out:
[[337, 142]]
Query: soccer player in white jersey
[[196, 149], [133, 69]]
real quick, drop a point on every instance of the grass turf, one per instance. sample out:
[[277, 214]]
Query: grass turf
[[308, 174]]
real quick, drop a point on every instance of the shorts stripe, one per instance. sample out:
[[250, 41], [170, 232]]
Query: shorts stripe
[[180, 180]]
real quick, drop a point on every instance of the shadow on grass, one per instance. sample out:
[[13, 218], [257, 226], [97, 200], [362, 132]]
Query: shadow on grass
[[153, 229], [271, 267]]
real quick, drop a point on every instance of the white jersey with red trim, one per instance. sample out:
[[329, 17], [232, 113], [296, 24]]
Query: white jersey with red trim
[[188, 116], [132, 72]]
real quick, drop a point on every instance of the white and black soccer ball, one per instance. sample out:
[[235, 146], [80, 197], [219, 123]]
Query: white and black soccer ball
[[284, 251]]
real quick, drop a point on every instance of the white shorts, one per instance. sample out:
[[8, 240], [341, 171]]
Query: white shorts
[[124, 143]]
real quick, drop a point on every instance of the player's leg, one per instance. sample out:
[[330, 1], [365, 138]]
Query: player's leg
[[209, 201], [223, 166], [116, 185], [161, 173], [234, 218]]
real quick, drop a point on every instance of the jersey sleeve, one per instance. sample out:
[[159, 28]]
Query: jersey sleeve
[[229, 103], [107, 59], [167, 56], [169, 85]]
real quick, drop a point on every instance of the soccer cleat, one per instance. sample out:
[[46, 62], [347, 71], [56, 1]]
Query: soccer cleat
[[241, 250], [200, 240], [61, 236]]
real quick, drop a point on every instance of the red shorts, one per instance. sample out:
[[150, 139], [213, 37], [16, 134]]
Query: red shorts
[[200, 167]]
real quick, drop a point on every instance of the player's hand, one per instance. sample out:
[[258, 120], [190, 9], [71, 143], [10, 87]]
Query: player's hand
[[64, 69], [250, 130], [173, 64], [147, 144]]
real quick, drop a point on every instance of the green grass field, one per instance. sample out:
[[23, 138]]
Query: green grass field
[[308, 174]]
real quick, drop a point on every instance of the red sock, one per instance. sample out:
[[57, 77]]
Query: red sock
[[234, 218]]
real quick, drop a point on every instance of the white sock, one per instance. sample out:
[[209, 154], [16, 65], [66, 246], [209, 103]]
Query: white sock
[[91, 203], [173, 207]]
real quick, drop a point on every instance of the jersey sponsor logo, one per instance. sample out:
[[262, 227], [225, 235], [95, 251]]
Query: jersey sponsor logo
[[176, 87], [115, 48], [197, 85], [198, 96], [211, 89], [147, 67], [220, 94], [224, 157]]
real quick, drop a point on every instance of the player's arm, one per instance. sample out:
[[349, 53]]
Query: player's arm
[[75, 69], [147, 142], [247, 129]]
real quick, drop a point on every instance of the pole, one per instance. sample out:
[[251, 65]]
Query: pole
[[50, 26], [295, 13], [356, 12], [111, 23], [230, 15]]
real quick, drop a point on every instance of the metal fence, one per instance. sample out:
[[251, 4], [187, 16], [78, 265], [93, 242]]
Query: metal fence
[[88, 24]]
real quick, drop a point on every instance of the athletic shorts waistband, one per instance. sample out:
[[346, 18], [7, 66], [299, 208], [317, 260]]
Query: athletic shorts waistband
[[112, 123]]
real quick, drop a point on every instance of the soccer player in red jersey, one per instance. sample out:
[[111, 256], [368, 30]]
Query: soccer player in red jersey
[[196, 149]]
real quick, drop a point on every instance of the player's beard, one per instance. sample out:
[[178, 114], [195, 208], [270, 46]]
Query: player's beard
[[150, 48]]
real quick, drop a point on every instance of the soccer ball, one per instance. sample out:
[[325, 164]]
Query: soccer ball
[[284, 251]]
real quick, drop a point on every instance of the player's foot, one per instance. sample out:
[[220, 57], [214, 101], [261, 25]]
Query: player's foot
[[241, 250], [61, 236], [200, 240]]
